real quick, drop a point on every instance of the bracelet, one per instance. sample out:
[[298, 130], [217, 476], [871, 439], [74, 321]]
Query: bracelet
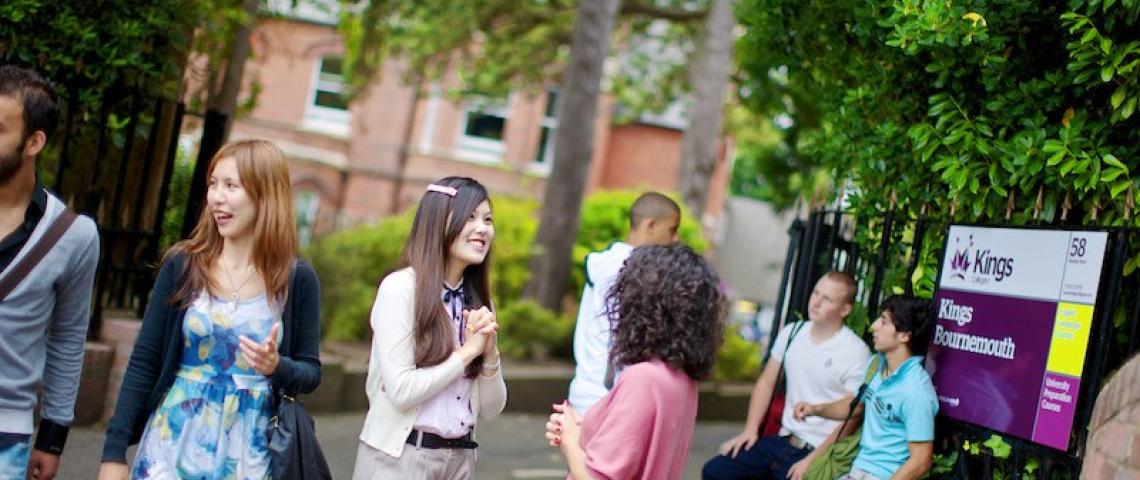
[[492, 368]]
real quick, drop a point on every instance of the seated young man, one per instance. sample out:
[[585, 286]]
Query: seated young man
[[899, 404], [824, 361]]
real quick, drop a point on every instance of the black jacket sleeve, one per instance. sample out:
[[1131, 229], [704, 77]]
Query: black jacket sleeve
[[145, 364], [299, 370]]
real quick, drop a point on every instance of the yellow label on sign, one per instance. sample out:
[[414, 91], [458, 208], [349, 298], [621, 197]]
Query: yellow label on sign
[[1070, 339]]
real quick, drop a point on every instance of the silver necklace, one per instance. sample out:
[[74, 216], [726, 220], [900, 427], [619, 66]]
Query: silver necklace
[[234, 290]]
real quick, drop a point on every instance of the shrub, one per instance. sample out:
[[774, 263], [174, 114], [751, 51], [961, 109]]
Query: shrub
[[605, 219], [177, 197], [515, 225], [738, 359], [529, 331], [350, 264]]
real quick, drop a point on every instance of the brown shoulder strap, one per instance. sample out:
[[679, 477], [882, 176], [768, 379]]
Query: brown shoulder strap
[[37, 253]]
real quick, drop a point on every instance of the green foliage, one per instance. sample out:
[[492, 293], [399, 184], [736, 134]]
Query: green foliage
[[737, 360], [177, 195], [515, 225], [1020, 112], [1002, 465], [942, 465], [529, 331], [966, 108], [98, 45], [605, 219], [502, 46], [351, 264]]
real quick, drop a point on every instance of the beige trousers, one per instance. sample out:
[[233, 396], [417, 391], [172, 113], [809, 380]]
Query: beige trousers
[[416, 463]]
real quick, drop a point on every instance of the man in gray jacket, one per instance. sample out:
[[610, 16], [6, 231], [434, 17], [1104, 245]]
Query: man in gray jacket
[[43, 319]]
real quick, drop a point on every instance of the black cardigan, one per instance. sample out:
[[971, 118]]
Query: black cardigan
[[158, 350]]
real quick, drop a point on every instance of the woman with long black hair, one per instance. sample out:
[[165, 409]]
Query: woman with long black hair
[[434, 366]]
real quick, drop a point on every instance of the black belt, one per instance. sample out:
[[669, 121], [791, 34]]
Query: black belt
[[430, 440]]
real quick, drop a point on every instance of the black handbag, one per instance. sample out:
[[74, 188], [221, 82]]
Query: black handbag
[[294, 452]]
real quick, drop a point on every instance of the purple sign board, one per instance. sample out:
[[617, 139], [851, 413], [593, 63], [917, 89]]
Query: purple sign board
[[1014, 311]]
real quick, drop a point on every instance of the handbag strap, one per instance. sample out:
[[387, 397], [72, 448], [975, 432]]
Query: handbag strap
[[780, 376], [872, 369], [38, 251], [279, 393], [788, 346]]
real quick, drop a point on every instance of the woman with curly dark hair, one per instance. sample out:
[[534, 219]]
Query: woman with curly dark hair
[[667, 312]]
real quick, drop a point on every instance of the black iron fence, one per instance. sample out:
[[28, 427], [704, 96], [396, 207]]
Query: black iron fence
[[829, 240], [112, 159]]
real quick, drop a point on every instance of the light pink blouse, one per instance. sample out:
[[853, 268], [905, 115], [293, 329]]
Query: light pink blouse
[[448, 413], [642, 429]]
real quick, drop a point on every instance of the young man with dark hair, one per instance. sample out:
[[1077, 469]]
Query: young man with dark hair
[[823, 362], [899, 405], [43, 317], [653, 220]]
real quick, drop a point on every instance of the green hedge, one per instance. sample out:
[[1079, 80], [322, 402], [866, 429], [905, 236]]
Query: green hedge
[[351, 263], [605, 219]]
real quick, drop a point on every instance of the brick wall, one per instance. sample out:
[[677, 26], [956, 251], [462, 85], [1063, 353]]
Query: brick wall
[[1113, 449]]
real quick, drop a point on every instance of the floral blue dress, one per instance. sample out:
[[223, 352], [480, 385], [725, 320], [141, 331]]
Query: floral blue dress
[[212, 423]]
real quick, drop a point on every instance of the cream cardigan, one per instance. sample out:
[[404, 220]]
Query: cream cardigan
[[395, 387]]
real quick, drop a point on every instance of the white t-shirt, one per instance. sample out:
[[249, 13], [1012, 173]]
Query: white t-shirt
[[592, 329], [818, 374]]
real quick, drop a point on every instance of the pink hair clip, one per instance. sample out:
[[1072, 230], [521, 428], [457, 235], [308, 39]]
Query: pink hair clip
[[442, 189]]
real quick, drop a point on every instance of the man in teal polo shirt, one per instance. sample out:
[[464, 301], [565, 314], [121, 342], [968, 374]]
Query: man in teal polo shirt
[[899, 403]]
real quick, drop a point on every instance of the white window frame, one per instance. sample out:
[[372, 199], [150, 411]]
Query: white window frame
[[480, 149], [550, 122], [306, 203], [325, 119]]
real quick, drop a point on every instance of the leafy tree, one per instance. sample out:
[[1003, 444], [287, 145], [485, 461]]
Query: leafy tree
[[969, 109], [709, 76], [501, 46], [1018, 111]]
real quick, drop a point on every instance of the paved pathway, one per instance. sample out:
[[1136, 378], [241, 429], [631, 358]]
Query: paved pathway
[[511, 447]]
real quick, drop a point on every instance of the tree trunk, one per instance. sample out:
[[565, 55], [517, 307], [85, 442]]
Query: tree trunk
[[708, 76], [221, 107], [574, 148], [224, 94]]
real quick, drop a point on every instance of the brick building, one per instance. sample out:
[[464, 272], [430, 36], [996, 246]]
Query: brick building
[[355, 162]]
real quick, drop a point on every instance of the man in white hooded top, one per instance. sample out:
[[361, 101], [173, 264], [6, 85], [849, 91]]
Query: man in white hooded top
[[653, 220]]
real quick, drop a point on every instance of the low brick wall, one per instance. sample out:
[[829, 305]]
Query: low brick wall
[[119, 333], [1113, 448], [97, 361]]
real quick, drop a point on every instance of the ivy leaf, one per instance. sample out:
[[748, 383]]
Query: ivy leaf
[[999, 446]]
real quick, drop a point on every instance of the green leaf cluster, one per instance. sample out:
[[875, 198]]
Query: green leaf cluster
[[495, 47], [966, 109], [351, 262], [102, 47], [605, 219], [1018, 112], [529, 331]]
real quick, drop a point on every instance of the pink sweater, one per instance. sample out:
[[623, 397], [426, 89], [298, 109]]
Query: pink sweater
[[643, 427]]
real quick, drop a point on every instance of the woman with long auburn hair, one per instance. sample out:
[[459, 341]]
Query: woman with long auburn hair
[[233, 314], [434, 366]]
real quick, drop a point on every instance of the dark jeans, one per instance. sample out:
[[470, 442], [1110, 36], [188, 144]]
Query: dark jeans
[[768, 459]]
